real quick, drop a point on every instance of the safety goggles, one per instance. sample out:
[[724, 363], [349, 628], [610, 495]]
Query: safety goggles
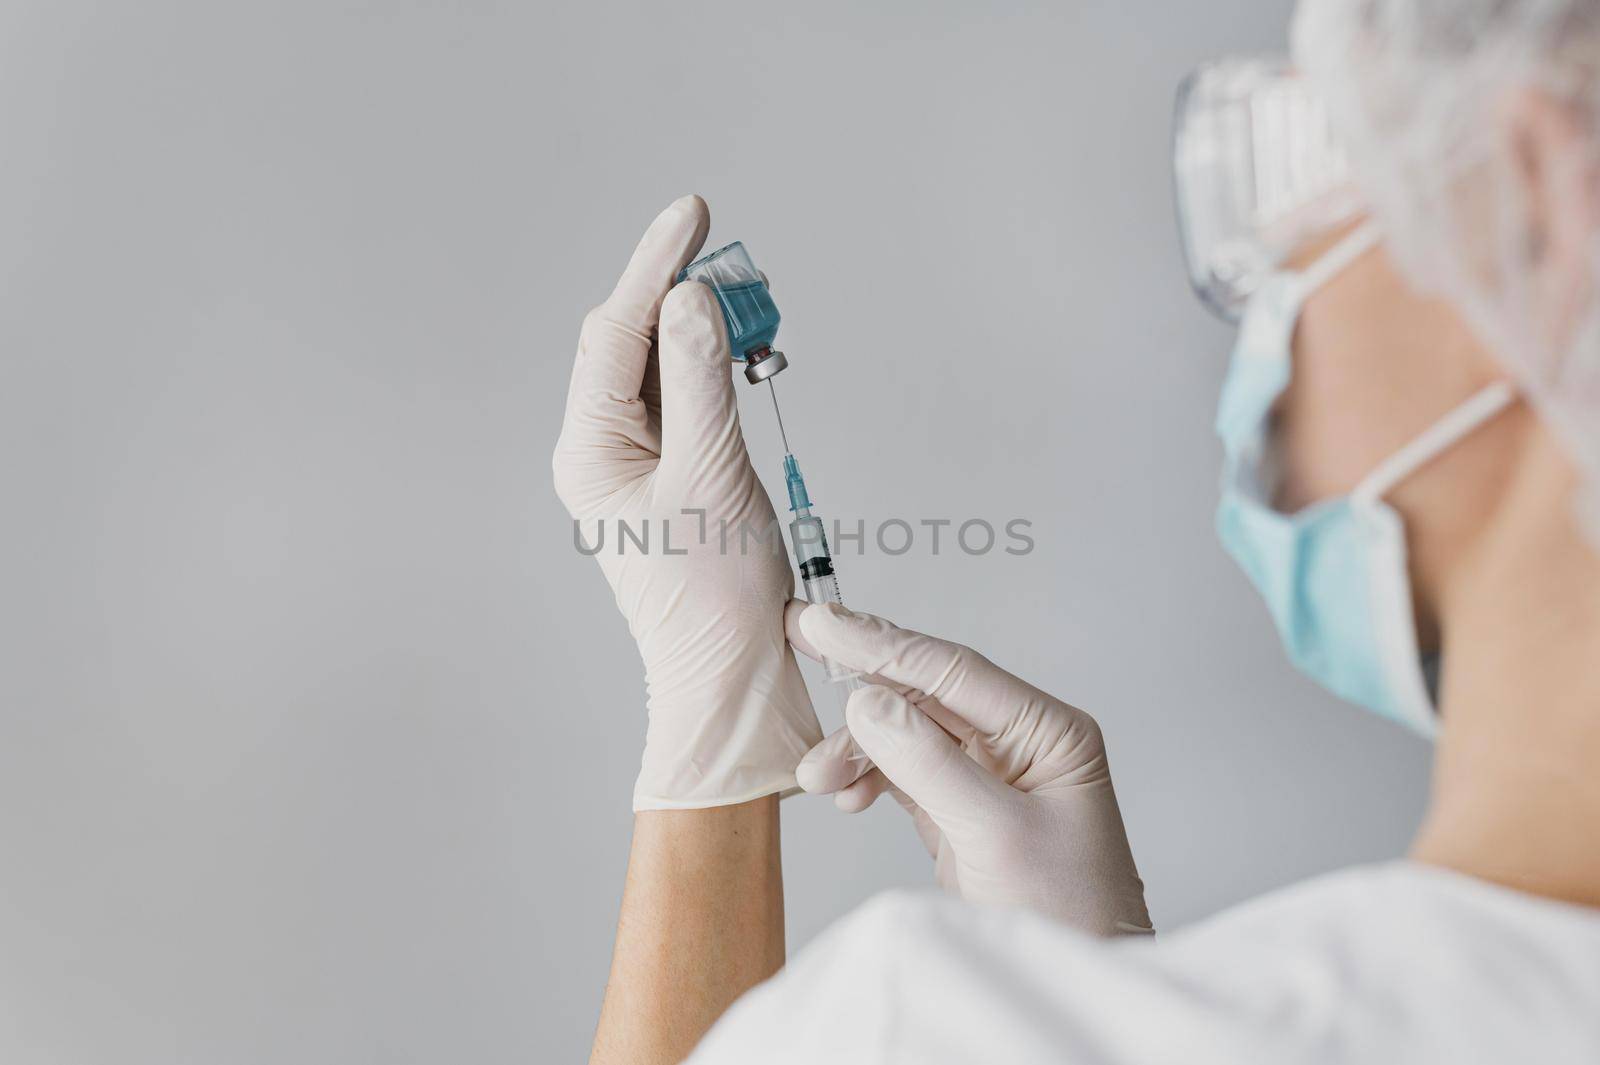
[[1257, 171]]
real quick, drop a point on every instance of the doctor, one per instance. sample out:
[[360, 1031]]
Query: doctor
[[1411, 435]]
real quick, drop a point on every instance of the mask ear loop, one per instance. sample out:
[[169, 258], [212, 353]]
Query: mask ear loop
[[1461, 421], [1353, 246]]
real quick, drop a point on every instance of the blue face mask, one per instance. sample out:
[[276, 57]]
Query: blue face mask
[[1334, 574]]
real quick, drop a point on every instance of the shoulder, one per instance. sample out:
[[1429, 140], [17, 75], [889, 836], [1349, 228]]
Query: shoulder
[[1402, 960], [850, 995], [923, 977], [837, 998], [1370, 964]]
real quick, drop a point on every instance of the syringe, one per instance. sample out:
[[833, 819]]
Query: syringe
[[811, 553]]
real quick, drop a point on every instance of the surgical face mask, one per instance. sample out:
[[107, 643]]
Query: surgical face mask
[[1334, 574]]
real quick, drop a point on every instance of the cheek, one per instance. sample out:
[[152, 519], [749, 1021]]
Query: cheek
[[1375, 364], [1332, 424]]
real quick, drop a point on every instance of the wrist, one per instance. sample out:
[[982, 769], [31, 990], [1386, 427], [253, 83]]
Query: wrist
[[704, 749]]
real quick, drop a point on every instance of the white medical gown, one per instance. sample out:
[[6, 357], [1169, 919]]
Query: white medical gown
[[1390, 963]]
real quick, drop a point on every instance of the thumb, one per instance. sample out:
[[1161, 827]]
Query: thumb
[[700, 433], [922, 760]]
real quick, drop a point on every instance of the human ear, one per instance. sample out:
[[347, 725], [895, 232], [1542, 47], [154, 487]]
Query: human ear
[[1556, 167]]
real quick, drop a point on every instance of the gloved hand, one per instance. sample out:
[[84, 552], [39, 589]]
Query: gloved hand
[[1009, 787], [651, 444]]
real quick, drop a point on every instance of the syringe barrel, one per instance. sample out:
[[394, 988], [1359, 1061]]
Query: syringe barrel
[[826, 590], [821, 583], [823, 590], [810, 542]]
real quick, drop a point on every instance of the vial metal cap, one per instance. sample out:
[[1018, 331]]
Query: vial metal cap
[[762, 364]]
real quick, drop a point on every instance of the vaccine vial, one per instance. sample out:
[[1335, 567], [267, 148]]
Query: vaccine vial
[[747, 308]]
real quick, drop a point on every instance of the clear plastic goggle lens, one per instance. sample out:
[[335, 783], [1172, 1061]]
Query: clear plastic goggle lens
[[1257, 170]]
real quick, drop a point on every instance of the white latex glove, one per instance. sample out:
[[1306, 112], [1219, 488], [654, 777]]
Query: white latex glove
[[1009, 787], [652, 432]]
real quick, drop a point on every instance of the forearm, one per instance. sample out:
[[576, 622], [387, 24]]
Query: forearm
[[701, 922]]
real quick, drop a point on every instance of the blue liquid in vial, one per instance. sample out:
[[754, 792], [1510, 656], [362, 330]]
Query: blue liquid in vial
[[751, 315]]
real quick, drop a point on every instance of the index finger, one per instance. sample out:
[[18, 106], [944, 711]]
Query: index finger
[[957, 678], [615, 344]]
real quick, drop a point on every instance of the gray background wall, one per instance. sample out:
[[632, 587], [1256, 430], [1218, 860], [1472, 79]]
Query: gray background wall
[[316, 737]]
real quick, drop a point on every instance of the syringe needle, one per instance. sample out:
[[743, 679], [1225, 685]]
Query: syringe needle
[[779, 413]]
